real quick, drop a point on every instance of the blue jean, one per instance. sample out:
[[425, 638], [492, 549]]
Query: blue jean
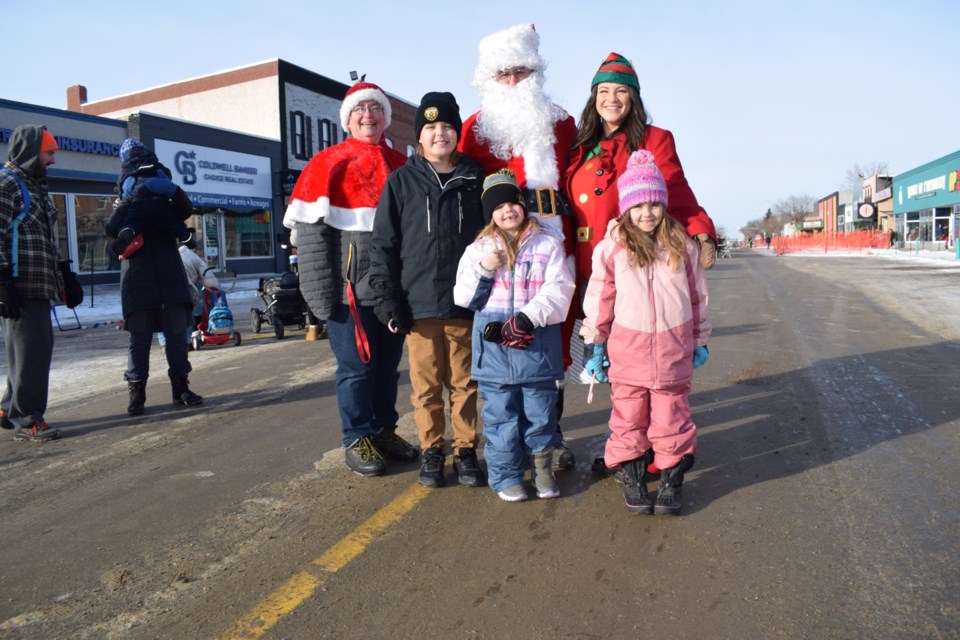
[[518, 419], [366, 392]]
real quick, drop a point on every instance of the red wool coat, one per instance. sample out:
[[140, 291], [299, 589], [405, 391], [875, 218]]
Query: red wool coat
[[590, 187]]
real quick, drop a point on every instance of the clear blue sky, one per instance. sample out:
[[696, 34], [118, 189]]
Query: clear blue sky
[[766, 100]]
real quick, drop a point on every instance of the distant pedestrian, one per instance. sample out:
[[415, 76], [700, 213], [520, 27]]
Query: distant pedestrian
[[429, 212], [647, 300], [768, 239], [32, 275], [200, 277], [517, 281], [143, 176], [154, 292]]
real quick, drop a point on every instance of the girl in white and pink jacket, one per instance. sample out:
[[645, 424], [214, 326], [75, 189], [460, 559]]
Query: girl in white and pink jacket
[[647, 302]]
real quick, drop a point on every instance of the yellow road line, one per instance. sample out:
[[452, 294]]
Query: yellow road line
[[303, 584]]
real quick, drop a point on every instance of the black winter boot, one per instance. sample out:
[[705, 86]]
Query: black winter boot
[[182, 394], [671, 487], [138, 396], [635, 494]]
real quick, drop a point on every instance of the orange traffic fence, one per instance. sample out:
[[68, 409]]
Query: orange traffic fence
[[849, 241]]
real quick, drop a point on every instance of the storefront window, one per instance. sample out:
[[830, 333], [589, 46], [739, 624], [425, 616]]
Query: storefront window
[[60, 204], [247, 234], [93, 247]]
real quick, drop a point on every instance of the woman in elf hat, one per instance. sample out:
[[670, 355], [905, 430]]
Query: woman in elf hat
[[332, 209], [429, 212], [614, 124], [647, 300], [515, 277]]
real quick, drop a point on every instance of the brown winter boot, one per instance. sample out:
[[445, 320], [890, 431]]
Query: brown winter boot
[[182, 394], [312, 333], [138, 396]]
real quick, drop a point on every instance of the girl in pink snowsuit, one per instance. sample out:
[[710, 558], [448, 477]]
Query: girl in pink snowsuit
[[647, 301]]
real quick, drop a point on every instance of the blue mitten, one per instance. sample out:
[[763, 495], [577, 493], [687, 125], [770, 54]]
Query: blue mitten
[[700, 356], [597, 364]]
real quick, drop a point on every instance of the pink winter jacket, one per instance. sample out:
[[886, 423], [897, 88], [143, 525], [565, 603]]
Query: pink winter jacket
[[651, 317]]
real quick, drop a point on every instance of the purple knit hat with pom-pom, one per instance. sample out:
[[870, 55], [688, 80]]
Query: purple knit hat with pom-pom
[[641, 182]]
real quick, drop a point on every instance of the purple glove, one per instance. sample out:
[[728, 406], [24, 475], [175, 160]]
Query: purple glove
[[517, 332]]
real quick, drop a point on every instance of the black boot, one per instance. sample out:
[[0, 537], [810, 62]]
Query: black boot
[[635, 494], [138, 396], [671, 487], [181, 392]]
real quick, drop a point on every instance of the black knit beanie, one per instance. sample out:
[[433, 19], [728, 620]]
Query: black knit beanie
[[437, 106]]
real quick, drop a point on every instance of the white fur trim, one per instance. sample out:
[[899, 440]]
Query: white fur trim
[[359, 219], [356, 98], [512, 47]]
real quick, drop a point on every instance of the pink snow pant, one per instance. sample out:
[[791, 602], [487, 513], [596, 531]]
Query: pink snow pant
[[643, 418]]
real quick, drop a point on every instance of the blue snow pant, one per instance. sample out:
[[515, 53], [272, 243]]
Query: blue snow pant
[[518, 419]]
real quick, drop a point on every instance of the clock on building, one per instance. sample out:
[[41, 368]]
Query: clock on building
[[866, 210]]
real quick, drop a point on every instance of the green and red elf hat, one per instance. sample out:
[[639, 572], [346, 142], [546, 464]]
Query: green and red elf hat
[[616, 69]]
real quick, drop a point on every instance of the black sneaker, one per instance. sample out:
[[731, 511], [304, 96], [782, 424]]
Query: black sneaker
[[468, 468], [393, 447], [37, 432], [364, 459], [5, 421], [431, 467]]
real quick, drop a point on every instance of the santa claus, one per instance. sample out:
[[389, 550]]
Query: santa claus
[[520, 128]]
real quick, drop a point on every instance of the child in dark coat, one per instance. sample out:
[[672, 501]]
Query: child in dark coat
[[143, 176]]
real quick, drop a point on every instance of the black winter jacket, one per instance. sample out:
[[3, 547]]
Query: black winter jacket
[[323, 255], [420, 231], [153, 276]]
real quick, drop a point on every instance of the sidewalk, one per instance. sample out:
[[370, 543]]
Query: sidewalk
[[101, 303]]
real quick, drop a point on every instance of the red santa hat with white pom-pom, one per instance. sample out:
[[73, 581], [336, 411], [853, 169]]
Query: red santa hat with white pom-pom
[[360, 92]]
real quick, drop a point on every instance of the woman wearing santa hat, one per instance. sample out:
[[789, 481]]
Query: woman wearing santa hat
[[332, 210]]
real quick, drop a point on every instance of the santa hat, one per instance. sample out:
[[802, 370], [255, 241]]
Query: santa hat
[[641, 182], [358, 93], [512, 47], [616, 68]]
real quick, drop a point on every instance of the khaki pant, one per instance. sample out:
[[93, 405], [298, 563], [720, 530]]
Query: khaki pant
[[440, 353]]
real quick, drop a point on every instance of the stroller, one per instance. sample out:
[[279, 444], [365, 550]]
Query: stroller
[[284, 304], [216, 322]]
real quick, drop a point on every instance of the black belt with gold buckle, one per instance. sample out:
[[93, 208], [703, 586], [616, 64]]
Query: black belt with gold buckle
[[546, 202]]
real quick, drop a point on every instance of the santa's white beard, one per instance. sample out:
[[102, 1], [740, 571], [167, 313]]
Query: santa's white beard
[[517, 121]]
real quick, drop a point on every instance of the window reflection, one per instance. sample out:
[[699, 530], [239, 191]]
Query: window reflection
[[93, 246]]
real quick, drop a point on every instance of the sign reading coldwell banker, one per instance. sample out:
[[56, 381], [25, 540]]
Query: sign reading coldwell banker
[[218, 178]]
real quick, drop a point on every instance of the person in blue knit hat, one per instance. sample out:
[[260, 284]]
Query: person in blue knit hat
[[144, 176]]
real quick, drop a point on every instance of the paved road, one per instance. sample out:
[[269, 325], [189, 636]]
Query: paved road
[[823, 504]]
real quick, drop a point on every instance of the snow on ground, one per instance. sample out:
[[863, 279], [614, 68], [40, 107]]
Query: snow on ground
[[79, 368]]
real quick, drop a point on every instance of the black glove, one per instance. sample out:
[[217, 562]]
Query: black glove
[[392, 310], [10, 304], [72, 291], [517, 332]]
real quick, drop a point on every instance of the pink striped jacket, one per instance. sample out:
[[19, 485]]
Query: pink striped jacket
[[651, 317]]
